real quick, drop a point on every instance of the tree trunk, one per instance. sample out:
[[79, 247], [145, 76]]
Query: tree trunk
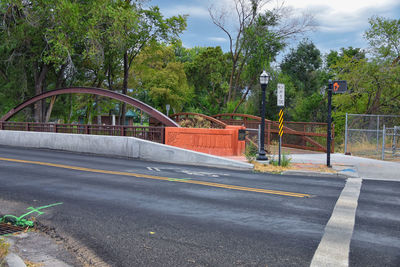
[[50, 109], [60, 77], [40, 76], [125, 86]]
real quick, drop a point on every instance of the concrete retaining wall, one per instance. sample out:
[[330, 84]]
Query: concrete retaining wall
[[116, 146]]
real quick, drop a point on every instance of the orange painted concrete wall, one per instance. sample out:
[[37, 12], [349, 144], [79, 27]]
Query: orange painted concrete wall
[[219, 142]]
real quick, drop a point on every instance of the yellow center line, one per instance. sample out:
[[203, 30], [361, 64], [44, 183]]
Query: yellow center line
[[178, 180]]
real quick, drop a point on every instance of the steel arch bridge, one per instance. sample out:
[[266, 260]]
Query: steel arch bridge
[[152, 112]]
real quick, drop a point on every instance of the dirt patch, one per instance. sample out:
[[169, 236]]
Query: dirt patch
[[259, 167]]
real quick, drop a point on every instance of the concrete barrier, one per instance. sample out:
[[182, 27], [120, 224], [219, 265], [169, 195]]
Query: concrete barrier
[[116, 146]]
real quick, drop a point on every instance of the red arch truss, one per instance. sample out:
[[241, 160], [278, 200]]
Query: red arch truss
[[95, 91]]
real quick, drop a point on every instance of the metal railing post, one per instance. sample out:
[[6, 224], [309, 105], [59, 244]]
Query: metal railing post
[[394, 140], [383, 142], [345, 135], [377, 135]]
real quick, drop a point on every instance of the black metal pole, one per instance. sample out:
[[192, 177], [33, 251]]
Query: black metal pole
[[280, 145], [261, 153], [329, 134]]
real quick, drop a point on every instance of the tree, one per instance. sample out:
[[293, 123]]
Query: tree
[[136, 27], [158, 75], [208, 74], [375, 87], [302, 64], [257, 34], [40, 39], [334, 57], [384, 38]]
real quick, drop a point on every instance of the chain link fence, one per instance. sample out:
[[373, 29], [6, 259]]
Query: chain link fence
[[373, 136]]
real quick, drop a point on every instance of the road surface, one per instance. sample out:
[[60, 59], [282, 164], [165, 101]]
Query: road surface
[[138, 213]]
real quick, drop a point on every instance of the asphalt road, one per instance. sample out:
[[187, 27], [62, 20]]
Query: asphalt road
[[376, 237], [138, 213]]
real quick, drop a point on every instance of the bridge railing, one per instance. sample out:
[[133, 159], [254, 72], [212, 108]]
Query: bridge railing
[[301, 135], [154, 134]]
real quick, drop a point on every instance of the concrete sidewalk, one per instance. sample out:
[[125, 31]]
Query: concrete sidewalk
[[352, 166]]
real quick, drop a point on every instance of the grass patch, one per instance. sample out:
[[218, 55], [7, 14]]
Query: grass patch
[[259, 167], [32, 264], [4, 246], [285, 160]]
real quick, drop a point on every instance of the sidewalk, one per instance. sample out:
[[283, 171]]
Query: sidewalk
[[354, 166], [342, 165]]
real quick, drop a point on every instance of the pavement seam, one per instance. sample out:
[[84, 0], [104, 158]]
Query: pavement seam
[[334, 248]]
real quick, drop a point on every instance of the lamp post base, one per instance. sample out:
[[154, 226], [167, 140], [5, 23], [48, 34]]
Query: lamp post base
[[261, 156]]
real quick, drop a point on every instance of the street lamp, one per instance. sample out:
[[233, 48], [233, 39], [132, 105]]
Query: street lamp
[[264, 77]]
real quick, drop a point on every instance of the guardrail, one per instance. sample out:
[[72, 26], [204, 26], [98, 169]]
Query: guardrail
[[154, 134]]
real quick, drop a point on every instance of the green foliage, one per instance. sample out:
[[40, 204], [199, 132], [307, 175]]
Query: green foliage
[[302, 65], [207, 72], [374, 85], [49, 44], [161, 77], [384, 37], [309, 108], [285, 160], [334, 57], [250, 152]]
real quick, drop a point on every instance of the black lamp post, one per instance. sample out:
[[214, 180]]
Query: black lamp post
[[264, 77]]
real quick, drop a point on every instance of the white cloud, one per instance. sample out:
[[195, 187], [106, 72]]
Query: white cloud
[[192, 11], [341, 6], [333, 15], [217, 39], [342, 15]]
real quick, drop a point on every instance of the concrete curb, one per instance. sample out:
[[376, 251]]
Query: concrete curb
[[13, 260], [130, 147], [316, 174]]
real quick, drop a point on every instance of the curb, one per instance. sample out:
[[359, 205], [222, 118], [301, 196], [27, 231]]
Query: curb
[[13, 260], [316, 174]]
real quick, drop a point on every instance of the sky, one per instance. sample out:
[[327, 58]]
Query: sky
[[339, 23]]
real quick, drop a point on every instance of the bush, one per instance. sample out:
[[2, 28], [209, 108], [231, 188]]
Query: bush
[[250, 152], [195, 122], [285, 160]]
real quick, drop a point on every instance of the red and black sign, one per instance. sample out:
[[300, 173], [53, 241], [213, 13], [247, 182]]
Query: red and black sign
[[339, 87]]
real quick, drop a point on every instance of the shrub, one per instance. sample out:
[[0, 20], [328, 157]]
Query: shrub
[[285, 160], [195, 122], [251, 151]]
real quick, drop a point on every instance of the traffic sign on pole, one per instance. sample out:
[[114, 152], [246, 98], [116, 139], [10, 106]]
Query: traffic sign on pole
[[280, 134], [281, 122], [339, 87], [281, 95]]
